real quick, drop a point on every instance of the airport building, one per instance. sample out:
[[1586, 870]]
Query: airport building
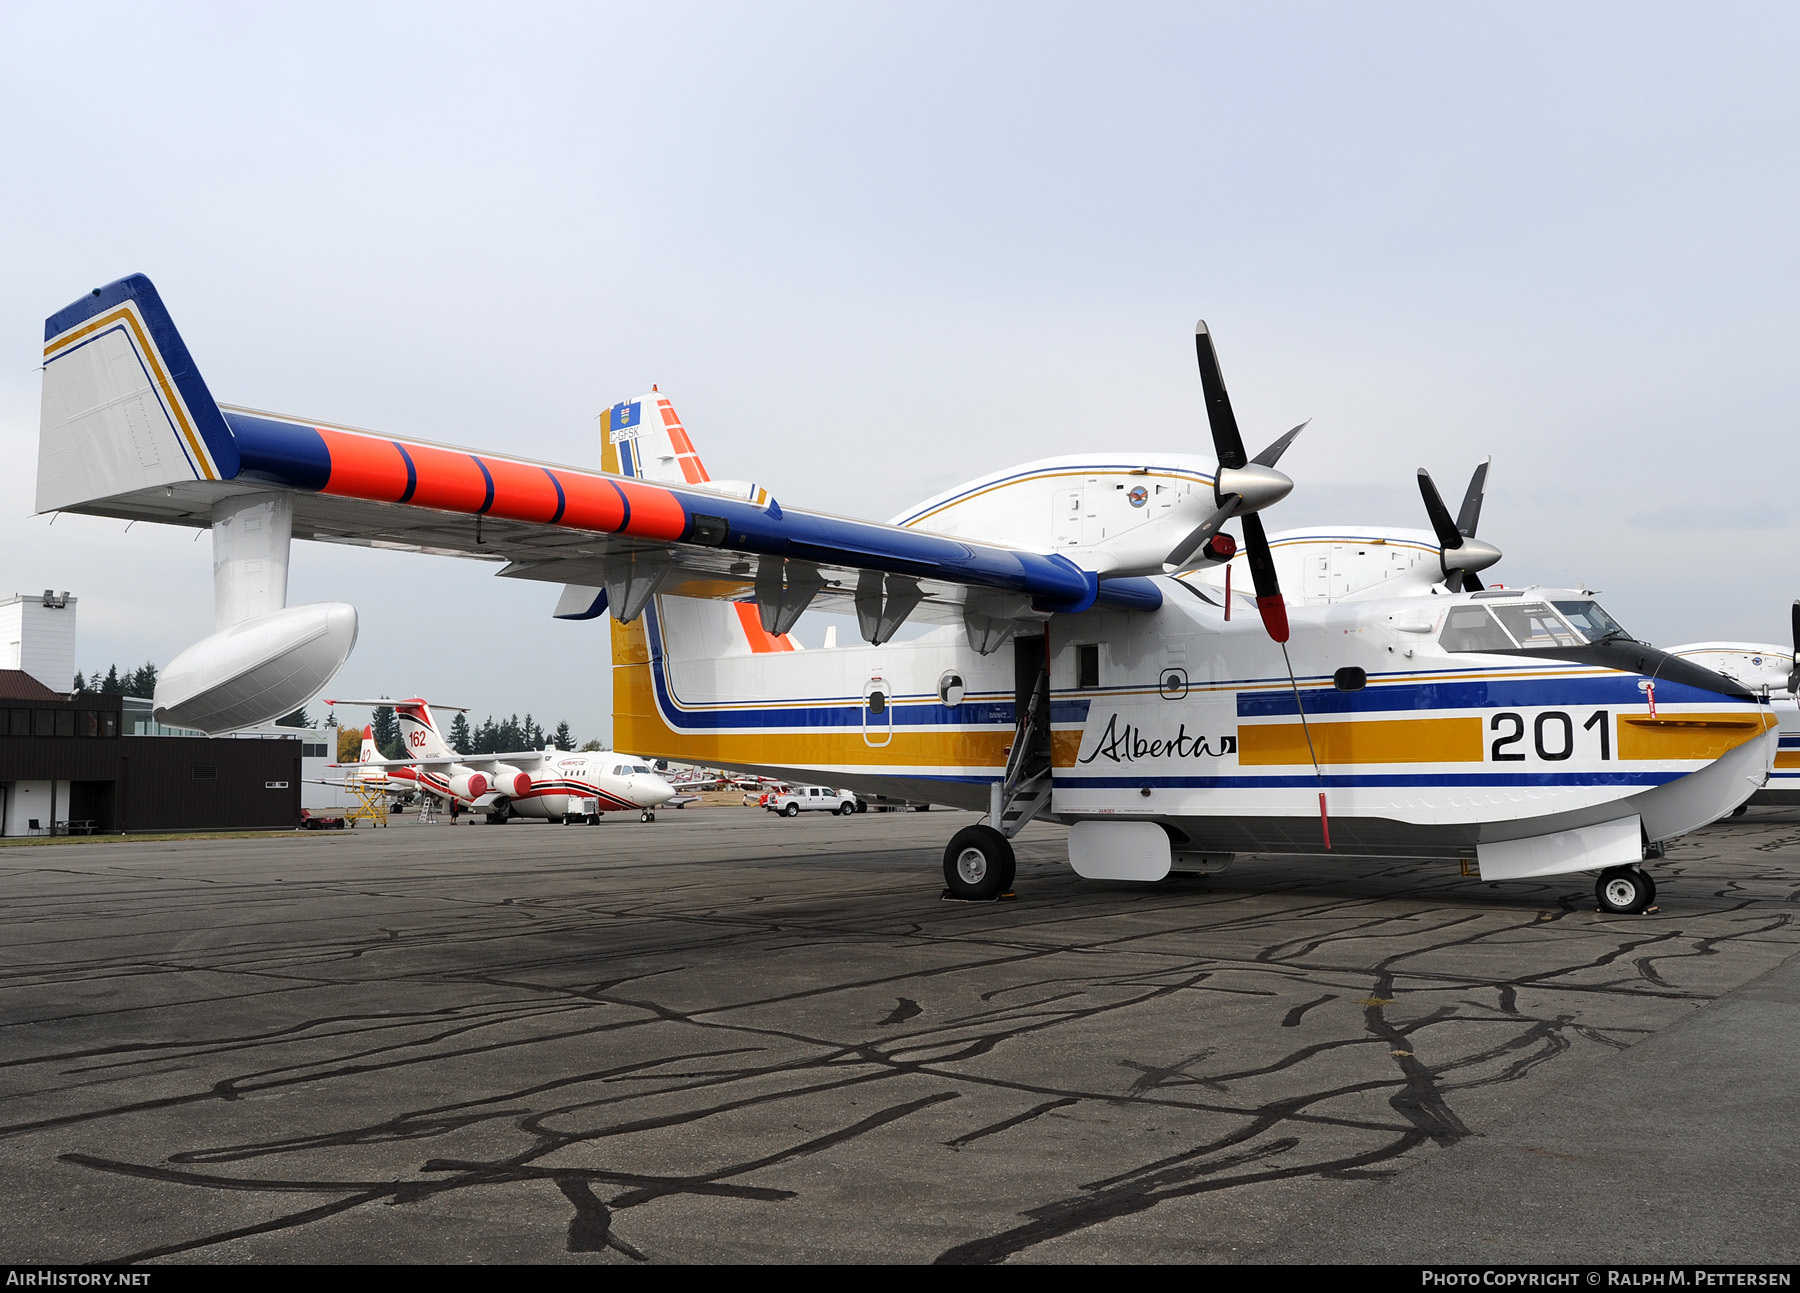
[[86, 763]]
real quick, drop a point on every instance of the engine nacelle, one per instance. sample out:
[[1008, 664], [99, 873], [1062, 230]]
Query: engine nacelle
[[469, 786], [256, 670], [510, 781]]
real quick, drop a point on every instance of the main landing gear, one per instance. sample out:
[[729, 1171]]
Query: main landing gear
[[979, 861], [978, 864], [1625, 890]]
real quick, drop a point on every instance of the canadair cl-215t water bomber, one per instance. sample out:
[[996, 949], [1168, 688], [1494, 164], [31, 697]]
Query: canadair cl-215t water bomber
[[1089, 660]]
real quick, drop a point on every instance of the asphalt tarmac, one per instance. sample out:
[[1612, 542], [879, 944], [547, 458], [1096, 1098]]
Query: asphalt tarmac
[[724, 1036]]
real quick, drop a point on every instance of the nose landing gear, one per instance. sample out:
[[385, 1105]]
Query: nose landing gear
[[648, 815]]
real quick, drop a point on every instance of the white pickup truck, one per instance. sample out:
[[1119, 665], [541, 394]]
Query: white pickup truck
[[812, 799]]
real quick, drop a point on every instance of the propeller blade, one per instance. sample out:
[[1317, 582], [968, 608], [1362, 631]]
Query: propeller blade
[[1469, 580], [1201, 533], [1448, 536], [1794, 673], [1262, 573], [1272, 455], [1470, 516], [1228, 443]]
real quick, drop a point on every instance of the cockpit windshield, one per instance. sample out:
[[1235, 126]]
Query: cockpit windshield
[[1593, 622], [1506, 625], [1534, 624]]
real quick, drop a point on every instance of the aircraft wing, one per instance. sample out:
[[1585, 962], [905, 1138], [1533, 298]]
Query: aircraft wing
[[154, 445]]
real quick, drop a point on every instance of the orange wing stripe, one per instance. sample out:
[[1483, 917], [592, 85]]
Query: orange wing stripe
[[364, 467], [449, 482], [521, 493]]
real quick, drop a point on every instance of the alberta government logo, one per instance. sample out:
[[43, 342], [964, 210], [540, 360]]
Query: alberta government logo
[[1127, 745]]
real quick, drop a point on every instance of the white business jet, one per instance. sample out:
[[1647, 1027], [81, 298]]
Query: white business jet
[[546, 783]]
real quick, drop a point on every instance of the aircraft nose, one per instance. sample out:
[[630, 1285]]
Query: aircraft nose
[[652, 790]]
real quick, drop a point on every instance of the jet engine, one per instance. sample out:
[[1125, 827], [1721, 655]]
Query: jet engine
[[510, 781], [469, 786]]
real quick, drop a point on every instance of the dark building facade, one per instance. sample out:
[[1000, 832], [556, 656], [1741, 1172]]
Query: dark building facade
[[63, 761]]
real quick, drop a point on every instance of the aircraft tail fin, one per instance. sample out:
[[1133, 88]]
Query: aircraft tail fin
[[124, 408], [369, 752], [645, 438], [419, 731]]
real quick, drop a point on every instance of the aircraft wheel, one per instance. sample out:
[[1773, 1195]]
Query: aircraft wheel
[[646, 816], [1624, 890], [978, 863], [792, 810]]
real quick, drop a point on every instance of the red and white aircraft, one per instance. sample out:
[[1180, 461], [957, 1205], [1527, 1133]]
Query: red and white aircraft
[[545, 783]]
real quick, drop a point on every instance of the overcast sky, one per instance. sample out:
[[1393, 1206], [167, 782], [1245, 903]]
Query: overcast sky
[[874, 250]]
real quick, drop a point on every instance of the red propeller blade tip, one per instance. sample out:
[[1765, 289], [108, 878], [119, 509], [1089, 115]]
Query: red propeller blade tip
[[1274, 616]]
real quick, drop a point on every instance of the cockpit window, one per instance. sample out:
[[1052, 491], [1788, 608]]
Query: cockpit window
[[1535, 625], [1471, 628], [1593, 622]]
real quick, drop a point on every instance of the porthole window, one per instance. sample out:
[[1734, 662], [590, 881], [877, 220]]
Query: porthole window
[[950, 688]]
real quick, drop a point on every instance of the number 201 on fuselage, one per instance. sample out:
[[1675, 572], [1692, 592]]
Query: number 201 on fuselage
[[1552, 735]]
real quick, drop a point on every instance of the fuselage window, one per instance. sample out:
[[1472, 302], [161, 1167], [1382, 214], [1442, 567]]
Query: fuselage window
[[1087, 664]]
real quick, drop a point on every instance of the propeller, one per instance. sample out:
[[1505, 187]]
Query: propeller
[[1242, 487], [1794, 673], [1459, 552]]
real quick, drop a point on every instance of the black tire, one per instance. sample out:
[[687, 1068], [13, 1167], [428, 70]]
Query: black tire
[[844, 810], [1624, 890], [791, 810], [593, 819], [861, 807], [978, 863], [646, 816]]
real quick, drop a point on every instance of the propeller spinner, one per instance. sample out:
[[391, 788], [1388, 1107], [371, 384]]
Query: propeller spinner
[[1242, 487], [1459, 552]]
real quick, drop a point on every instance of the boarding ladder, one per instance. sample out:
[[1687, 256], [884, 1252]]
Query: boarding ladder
[[1024, 791]]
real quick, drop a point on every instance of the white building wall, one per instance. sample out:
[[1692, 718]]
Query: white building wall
[[26, 800], [39, 639]]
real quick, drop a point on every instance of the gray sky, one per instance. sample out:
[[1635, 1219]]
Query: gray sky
[[874, 250]]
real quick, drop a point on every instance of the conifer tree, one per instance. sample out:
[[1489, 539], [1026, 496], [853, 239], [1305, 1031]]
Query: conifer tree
[[110, 686], [461, 740], [565, 739], [387, 733]]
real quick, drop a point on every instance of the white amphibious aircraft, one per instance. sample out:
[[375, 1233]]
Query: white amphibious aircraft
[[1770, 669], [544, 783], [1073, 671]]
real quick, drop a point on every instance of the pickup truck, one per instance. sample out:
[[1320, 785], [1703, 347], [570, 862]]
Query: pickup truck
[[811, 799]]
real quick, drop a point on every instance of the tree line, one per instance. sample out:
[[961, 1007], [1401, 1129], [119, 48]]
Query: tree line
[[490, 737], [130, 682]]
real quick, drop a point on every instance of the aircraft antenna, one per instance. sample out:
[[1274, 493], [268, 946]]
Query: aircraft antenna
[[1324, 817]]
